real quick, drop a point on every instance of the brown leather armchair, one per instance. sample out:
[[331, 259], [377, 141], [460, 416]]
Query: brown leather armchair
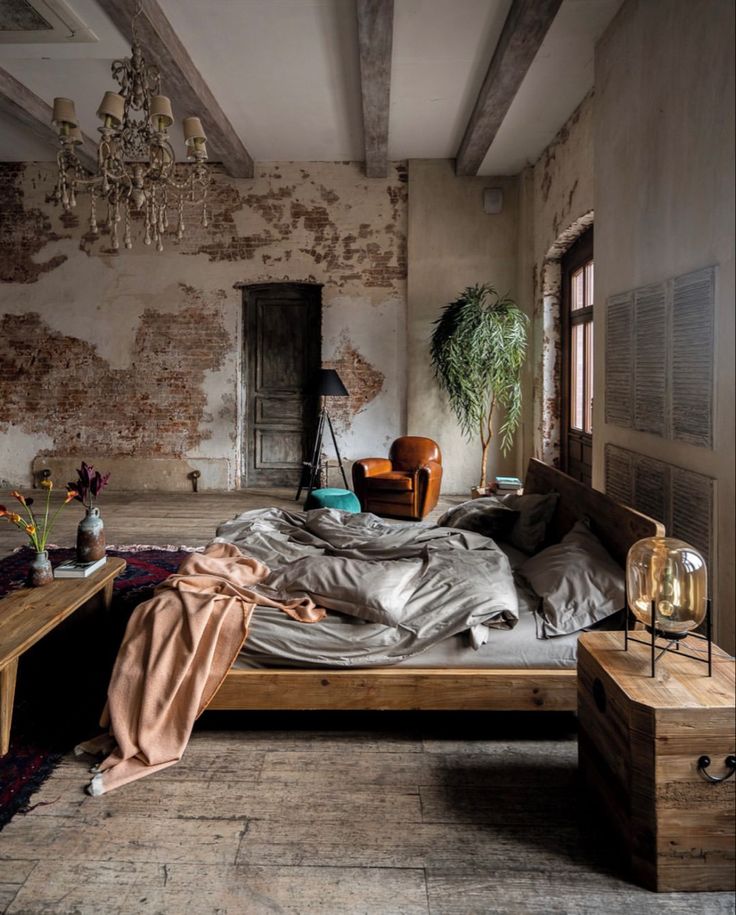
[[407, 485]]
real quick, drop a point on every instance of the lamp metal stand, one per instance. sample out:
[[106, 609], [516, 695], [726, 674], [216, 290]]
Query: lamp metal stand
[[673, 643], [311, 469]]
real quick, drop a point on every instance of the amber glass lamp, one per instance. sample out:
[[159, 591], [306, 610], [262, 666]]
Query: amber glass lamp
[[667, 591]]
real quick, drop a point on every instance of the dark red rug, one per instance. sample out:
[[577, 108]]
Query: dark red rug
[[62, 680]]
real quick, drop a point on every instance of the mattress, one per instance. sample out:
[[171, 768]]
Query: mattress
[[276, 641]]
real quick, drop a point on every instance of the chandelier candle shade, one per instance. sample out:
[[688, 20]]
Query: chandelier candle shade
[[136, 164]]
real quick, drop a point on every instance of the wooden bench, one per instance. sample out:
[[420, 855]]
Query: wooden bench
[[28, 614]]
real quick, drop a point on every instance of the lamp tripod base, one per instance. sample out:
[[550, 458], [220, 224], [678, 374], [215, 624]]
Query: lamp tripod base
[[673, 640], [311, 469]]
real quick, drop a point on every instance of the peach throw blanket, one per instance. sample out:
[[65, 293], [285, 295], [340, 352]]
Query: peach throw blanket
[[177, 649]]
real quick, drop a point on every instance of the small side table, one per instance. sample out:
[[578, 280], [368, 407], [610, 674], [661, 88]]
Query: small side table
[[640, 742], [27, 615]]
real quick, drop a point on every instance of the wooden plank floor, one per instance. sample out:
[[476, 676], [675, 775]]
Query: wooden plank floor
[[332, 814], [152, 517], [344, 813], [162, 518]]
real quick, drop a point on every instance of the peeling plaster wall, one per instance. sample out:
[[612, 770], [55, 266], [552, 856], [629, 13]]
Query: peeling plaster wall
[[666, 113], [453, 243], [138, 355], [556, 205]]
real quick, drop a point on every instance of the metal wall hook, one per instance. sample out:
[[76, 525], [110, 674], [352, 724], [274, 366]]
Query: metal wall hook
[[705, 761], [194, 477]]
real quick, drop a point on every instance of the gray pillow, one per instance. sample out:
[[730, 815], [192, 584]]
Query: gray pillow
[[488, 516], [535, 513], [578, 582], [375, 590]]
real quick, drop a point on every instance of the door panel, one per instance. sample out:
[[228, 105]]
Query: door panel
[[282, 348], [278, 449], [276, 410]]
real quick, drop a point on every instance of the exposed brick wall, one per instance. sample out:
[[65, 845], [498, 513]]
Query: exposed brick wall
[[135, 352], [362, 381], [53, 382], [306, 218], [24, 231]]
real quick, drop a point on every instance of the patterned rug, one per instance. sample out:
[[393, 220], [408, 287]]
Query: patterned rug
[[62, 680]]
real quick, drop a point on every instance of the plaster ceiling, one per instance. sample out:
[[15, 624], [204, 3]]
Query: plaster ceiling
[[286, 74]]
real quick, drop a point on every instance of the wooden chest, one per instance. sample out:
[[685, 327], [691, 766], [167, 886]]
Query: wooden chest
[[639, 744]]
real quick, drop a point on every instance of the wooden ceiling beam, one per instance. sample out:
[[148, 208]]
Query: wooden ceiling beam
[[26, 108], [523, 32], [181, 80], [375, 39]]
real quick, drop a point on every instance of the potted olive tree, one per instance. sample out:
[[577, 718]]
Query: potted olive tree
[[478, 348]]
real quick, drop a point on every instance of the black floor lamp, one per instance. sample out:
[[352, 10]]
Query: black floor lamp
[[329, 385]]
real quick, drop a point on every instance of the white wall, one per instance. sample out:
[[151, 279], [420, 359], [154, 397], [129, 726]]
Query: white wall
[[664, 189], [452, 244]]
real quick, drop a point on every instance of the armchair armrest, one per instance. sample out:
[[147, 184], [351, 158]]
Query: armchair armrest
[[429, 478], [369, 467]]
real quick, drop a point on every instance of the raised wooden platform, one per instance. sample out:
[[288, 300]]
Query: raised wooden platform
[[392, 688]]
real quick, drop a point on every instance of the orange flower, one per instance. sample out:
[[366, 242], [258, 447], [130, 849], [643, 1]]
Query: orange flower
[[70, 496], [46, 484], [15, 518], [19, 496], [3, 511], [30, 529]]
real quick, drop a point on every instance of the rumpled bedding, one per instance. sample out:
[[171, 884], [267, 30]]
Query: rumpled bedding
[[460, 581], [177, 649], [413, 585]]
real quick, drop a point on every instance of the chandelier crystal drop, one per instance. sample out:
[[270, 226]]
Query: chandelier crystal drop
[[136, 164]]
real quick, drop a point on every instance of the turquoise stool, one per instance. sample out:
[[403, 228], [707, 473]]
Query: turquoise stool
[[332, 498]]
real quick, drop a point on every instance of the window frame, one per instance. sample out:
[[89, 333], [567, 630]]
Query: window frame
[[579, 254]]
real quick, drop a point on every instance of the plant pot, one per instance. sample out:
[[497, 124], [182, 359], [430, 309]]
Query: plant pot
[[90, 537], [40, 571]]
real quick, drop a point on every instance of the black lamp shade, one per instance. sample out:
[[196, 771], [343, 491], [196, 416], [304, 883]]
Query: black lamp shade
[[330, 384]]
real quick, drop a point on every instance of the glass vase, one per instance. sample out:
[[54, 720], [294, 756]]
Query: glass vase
[[40, 571], [91, 537]]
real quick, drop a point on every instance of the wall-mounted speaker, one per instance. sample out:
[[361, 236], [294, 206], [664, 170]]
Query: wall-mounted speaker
[[493, 200]]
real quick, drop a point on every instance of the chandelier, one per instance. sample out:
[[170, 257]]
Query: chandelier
[[136, 164]]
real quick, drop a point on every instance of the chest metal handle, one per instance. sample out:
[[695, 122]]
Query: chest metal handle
[[705, 761]]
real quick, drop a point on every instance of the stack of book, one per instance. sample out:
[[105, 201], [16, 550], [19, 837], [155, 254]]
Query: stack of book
[[508, 484], [73, 569]]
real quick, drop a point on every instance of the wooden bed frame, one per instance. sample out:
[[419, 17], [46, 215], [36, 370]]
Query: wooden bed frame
[[510, 689]]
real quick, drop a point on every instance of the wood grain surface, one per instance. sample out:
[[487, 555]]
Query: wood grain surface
[[28, 614], [640, 741], [333, 814]]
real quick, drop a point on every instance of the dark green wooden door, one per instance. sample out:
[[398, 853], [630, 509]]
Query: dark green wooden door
[[282, 349]]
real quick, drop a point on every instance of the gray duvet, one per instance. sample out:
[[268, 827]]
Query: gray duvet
[[399, 588]]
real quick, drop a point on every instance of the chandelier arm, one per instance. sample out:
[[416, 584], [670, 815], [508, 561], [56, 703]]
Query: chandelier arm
[[113, 177], [136, 162], [181, 186], [194, 178]]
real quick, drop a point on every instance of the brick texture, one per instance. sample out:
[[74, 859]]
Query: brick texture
[[171, 384]]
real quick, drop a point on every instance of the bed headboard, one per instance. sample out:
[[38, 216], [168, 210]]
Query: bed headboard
[[617, 525]]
